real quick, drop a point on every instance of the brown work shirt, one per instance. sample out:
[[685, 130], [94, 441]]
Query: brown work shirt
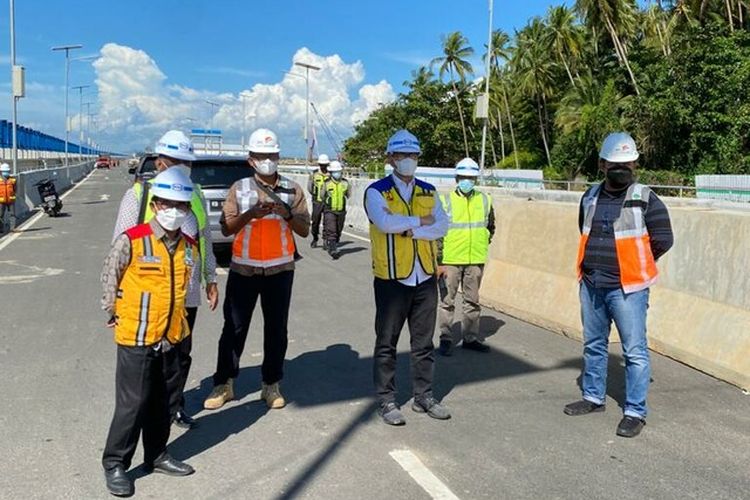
[[283, 185]]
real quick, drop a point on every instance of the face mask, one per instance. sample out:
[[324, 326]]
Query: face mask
[[620, 178], [336, 175], [6, 174], [171, 219], [466, 185], [184, 169], [266, 167], [406, 167]]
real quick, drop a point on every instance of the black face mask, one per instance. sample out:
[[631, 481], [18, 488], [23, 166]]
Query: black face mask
[[620, 178]]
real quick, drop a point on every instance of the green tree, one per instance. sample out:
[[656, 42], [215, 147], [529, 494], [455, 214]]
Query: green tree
[[456, 50]]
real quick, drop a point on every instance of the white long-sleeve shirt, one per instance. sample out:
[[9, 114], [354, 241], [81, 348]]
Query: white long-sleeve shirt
[[380, 215]]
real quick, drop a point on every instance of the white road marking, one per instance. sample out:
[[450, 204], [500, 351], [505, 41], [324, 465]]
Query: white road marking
[[20, 229], [422, 475], [104, 197], [356, 236], [39, 272], [221, 271]]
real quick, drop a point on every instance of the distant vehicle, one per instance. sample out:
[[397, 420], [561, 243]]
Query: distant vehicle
[[103, 162], [51, 203], [145, 169], [133, 162], [215, 174]]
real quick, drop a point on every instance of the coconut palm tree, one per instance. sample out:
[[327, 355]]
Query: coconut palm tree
[[618, 19], [456, 51], [564, 37], [501, 53], [535, 72]]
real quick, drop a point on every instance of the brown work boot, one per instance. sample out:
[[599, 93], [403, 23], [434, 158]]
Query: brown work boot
[[219, 396], [271, 394]]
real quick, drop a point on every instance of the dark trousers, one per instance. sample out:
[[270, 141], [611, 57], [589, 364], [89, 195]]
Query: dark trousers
[[242, 293], [396, 304], [333, 225], [10, 209], [177, 378], [317, 215], [140, 406]]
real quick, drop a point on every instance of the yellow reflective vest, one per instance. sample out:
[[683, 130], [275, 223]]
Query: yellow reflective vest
[[393, 255], [197, 205], [334, 194], [468, 239], [318, 179], [150, 303]]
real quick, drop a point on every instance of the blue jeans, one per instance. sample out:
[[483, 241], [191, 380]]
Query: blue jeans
[[599, 307]]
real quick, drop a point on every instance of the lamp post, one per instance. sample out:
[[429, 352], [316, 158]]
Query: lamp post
[[488, 68], [67, 49], [80, 119], [307, 67], [17, 84], [213, 105]]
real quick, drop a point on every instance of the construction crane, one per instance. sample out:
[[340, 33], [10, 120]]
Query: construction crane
[[329, 131]]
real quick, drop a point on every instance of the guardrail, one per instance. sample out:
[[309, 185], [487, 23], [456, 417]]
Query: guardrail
[[27, 197]]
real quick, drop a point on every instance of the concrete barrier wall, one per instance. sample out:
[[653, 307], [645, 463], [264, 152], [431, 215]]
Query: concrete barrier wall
[[64, 178], [699, 312]]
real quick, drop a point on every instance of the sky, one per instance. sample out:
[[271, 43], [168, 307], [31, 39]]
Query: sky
[[152, 64]]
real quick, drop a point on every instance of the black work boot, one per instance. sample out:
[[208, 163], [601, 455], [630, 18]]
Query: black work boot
[[630, 427], [119, 483], [582, 407]]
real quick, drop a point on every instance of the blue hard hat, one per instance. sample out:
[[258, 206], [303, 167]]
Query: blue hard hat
[[403, 141]]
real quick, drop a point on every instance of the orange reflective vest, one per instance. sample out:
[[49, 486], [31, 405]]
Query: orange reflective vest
[[150, 303], [265, 242], [7, 190], [632, 243]]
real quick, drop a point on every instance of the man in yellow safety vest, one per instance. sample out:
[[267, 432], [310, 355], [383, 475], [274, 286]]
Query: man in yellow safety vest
[[463, 255], [335, 193], [315, 187]]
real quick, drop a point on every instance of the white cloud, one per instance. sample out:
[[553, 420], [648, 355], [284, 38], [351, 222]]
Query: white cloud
[[137, 103]]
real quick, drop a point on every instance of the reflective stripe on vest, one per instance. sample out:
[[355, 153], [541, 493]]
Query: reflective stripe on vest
[[264, 242], [394, 255], [7, 190], [632, 243], [468, 239], [198, 207], [335, 194], [319, 179], [150, 300]]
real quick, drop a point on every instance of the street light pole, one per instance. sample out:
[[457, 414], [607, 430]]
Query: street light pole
[[14, 99], [488, 68], [307, 67], [80, 119], [213, 105], [67, 49]]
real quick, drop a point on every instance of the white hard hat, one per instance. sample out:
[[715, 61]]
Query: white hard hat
[[263, 141], [403, 141], [335, 166], [323, 159], [172, 184], [175, 144], [4, 167], [467, 168], [619, 147]]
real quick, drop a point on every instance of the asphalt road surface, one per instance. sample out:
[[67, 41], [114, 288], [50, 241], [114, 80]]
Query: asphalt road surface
[[508, 437]]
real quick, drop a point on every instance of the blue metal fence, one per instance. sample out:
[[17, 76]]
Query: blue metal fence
[[34, 140]]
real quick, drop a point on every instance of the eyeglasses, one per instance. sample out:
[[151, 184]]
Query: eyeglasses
[[172, 204]]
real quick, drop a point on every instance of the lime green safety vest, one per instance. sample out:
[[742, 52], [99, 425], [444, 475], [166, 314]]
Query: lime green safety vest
[[335, 194], [468, 238], [196, 205], [319, 178]]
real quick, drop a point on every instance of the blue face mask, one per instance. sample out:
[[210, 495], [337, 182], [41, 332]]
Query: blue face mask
[[466, 186]]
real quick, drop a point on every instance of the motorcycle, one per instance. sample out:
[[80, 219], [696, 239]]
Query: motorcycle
[[51, 203]]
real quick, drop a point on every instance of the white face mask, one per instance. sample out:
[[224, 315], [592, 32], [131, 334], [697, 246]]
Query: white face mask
[[171, 219], [406, 166], [336, 175], [266, 167]]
